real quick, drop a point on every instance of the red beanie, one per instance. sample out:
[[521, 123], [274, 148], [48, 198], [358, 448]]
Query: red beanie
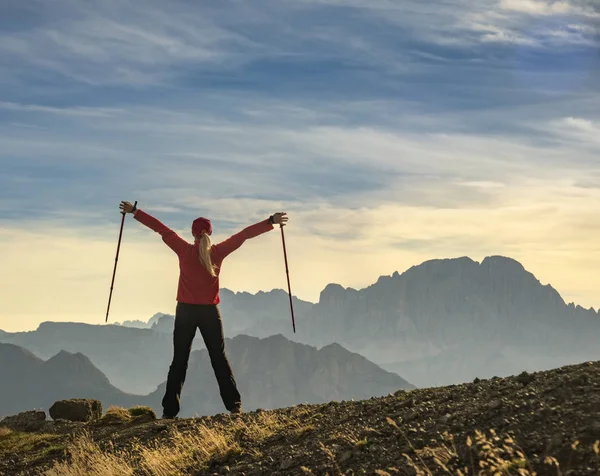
[[201, 225]]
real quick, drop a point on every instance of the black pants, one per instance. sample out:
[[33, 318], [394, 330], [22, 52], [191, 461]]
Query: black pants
[[207, 318]]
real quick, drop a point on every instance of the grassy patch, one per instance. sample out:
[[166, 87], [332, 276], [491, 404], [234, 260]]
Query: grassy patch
[[303, 430], [142, 411], [32, 445], [115, 416]]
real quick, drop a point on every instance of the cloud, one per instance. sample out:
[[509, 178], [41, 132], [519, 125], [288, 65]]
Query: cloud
[[579, 134], [119, 43], [537, 7], [180, 159], [583, 125], [550, 7]]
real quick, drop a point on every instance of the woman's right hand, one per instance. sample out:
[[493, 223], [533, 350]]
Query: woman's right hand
[[126, 207], [280, 218]]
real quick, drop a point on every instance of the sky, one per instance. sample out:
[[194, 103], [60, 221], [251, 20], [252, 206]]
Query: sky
[[391, 132]]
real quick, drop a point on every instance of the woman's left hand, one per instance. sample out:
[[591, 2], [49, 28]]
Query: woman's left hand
[[126, 207], [280, 218]]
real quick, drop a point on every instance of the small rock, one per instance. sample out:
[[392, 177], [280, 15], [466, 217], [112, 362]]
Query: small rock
[[25, 421], [495, 405], [592, 430], [408, 403], [525, 378], [286, 464], [76, 410], [409, 416], [345, 456], [445, 418], [476, 380]]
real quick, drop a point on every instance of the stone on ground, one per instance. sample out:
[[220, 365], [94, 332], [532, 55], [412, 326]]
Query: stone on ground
[[76, 409], [26, 421]]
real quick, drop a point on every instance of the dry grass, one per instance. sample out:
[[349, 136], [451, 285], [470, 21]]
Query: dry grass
[[487, 455], [5, 432], [183, 452], [190, 451], [86, 458]]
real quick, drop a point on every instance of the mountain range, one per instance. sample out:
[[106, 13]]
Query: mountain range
[[271, 373], [442, 322]]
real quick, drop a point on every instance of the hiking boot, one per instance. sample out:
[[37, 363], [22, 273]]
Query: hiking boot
[[237, 409], [168, 417]]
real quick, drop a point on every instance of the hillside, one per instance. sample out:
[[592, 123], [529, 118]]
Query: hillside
[[545, 422]]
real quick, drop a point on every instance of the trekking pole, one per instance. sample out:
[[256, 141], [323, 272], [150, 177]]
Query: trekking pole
[[287, 272], [116, 259]]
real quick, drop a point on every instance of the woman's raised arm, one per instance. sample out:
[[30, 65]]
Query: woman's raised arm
[[231, 244], [172, 239]]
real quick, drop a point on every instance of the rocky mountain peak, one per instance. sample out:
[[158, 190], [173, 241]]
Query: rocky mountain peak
[[332, 293], [503, 263], [14, 354]]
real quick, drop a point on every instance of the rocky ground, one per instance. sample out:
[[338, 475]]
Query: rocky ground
[[541, 423]]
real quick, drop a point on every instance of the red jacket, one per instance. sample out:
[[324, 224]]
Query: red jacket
[[196, 285]]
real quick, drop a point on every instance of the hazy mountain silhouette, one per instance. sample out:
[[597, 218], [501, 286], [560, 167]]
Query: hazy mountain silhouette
[[271, 373], [29, 382], [121, 353], [445, 318], [444, 321], [141, 324]]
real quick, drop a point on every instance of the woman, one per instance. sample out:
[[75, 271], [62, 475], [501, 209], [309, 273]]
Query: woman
[[197, 301]]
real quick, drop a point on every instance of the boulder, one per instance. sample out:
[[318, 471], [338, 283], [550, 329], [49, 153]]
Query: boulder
[[27, 421], [76, 409]]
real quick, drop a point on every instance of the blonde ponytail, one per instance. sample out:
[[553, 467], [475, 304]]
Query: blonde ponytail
[[204, 254]]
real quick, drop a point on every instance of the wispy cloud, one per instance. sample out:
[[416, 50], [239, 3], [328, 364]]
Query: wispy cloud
[[69, 111], [120, 43], [551, 7]]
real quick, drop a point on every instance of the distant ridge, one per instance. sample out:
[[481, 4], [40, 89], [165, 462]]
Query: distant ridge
[[440, 322]]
